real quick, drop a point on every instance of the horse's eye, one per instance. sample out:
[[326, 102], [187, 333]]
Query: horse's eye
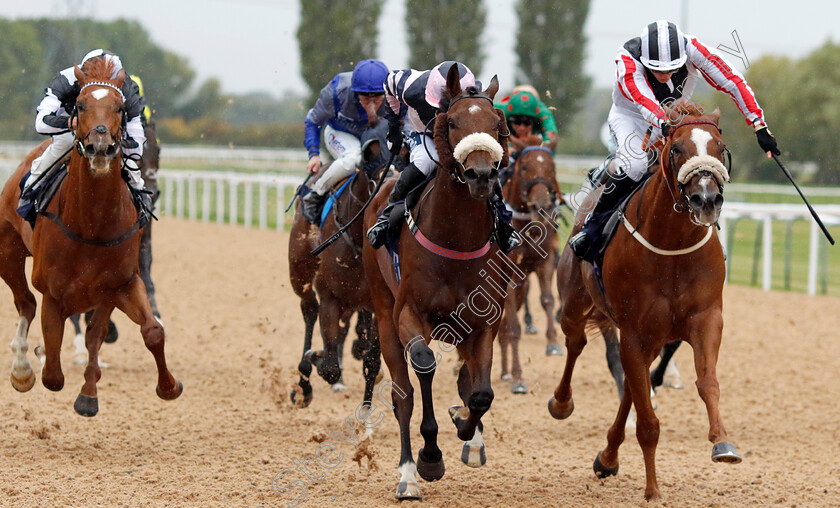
[[80, 106], [452, 124]]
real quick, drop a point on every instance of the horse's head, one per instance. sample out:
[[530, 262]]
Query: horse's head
[[694, 154], [470, 135], [100, 114], [534, 178]]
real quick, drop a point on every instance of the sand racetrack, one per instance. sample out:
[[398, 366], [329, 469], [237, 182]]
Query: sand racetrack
[[234, 337]]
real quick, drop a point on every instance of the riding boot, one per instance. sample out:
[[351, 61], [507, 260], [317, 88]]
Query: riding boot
[[143, 203], [506, 236], [312, 204], [616, 188], [410, 178]]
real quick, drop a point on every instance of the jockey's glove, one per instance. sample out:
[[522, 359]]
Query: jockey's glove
[[395, 136], [766, 140], [665, 128]]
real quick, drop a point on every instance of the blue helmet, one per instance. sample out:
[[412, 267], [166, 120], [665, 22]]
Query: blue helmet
[[369, 77]]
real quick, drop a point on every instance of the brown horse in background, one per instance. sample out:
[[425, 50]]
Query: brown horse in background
[[663, 275], [443, 291], [85, 251], [534, 195], [336, 278]]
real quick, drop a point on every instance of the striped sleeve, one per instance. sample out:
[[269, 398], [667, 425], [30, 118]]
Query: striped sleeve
[[395, 107], [630, 76], [720, 75]]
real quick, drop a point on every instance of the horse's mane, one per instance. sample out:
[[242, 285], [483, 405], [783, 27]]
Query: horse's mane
[[681, 109], [99, 68]]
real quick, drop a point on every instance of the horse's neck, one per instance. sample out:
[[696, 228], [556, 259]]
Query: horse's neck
[[451, 217], [512, 192], [657, 215], [94, 203]]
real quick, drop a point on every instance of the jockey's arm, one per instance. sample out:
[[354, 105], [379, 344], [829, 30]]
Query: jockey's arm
[[630, 76], [316, 117], [51, 119]]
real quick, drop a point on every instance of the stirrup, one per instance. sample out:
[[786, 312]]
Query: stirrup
[[311, 206]]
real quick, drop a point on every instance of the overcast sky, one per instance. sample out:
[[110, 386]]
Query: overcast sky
[[251, 44]]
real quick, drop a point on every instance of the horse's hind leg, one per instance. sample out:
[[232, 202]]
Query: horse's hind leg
[[545, 274], [343, 330], [561, 405], [309, 309], [517, 386], [667, 367], [146, 267], [12, 269], [371, 361], [705, 340], [613, 354], [135, 304], [606, 462], [528, 319], [87, 403]]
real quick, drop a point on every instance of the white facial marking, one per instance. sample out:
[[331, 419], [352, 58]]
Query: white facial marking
[[540, 158], [99, 94], [474, 109], [701, 138]]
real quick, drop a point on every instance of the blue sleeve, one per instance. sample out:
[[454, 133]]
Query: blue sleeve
[[321, 113]]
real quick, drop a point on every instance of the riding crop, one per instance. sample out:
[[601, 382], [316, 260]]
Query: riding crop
[[810, 209]]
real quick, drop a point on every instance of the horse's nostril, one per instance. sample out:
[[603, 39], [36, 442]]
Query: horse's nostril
[[718, 201], [471, 174], [696, 201], [90, 150], [111, 150]]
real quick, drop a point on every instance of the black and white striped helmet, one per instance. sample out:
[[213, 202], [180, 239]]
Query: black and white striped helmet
[[663, 46]]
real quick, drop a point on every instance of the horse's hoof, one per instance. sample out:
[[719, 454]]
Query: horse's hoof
[[408, 490], [307, 398], [473, 456], [338, 387], [602, 471], [23, 385], [531, 329], [672, 378], [112, 334], [86, 406], [553, 350], [53, 385], [172, 395], [725, 452], [560, 411], [518, 388], [313, 356], [429, 469], [507, 378]]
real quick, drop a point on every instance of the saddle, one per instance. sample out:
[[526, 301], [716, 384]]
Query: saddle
[[606, 224]]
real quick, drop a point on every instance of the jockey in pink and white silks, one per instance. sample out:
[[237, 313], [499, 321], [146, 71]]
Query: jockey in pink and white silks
[[55, 118], [655, 69], [347, 105], [412, 101]]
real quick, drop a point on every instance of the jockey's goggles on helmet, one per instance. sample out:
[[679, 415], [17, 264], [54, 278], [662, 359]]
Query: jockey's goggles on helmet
[[521, 120]]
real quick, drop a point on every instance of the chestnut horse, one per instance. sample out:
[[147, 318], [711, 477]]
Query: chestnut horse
[[446, 263], [663, 275], [534, 195], [336, 279], [85, 249], [149, 169]]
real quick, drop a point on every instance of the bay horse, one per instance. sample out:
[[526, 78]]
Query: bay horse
[[534, 195], [85, 248], [149, 169], [336, 279], [663, 278], [446, 262]]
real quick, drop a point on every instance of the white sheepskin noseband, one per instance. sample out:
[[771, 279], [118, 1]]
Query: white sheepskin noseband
[[478, 141], [700, 163]]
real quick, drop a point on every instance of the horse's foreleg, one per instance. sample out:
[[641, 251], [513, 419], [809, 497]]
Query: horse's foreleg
[[343, 330], [52, 325], [508, 328], [309, 309], [636, 363], [519, 295], [477, 394], [135, 304], [327, 362], [705, 339], [146, 267], [527, 318], [371, 359], [87, 403]]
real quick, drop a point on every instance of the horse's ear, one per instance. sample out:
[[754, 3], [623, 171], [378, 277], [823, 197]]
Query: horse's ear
[[80, 76], [444, 149], [715, 115], [120, 79], [453, 81], [493, 88]]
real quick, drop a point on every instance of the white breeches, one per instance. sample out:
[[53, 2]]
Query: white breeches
[[419, 154], [346, 149]]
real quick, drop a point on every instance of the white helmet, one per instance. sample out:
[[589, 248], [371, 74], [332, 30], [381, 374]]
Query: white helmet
[[663, 46]]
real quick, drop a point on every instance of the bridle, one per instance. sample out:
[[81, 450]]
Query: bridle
[[527, 185], [681, 206], [80, 142]]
